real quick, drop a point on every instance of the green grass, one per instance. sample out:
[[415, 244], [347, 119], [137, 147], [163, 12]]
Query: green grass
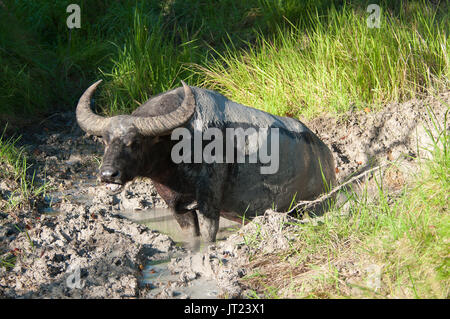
[[338, 64], [284, 56], [17, 174], [145, 65], [405, 237], [23, 77], [46, 67], [8, 262]]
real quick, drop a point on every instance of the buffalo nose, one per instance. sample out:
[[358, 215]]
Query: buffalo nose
[[109, 174]]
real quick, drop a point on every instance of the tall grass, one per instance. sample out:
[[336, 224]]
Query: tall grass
[[285, 56], [148, 63], [44, 65], [338, 64], [163, 45], [412, 242]]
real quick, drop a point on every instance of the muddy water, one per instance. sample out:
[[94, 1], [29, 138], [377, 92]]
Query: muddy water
[[162, 220], [155, 275]]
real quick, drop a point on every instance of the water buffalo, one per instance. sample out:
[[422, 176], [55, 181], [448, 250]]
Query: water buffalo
[[228, 181]]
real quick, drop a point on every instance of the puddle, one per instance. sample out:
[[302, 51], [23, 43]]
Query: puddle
[[162, 220], [155, 275]]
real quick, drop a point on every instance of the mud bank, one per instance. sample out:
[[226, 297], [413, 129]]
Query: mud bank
[[79, 242], [396, 133]]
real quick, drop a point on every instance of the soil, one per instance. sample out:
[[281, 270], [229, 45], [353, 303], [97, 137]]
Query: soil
[[76, 242]]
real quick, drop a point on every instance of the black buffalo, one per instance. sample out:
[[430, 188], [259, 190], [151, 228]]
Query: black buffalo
[[199, 192]]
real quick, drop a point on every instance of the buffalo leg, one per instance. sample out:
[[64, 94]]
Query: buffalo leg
[[208, 220], [188, 222], [209, 192]]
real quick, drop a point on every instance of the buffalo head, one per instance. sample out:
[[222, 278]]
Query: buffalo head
[[130, 141]]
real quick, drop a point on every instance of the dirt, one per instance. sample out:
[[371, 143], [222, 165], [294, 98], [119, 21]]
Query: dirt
[[106, 251], [359, 139], [76, 243]]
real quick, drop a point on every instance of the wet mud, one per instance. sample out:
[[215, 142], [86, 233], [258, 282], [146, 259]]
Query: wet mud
[[80, 242]]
